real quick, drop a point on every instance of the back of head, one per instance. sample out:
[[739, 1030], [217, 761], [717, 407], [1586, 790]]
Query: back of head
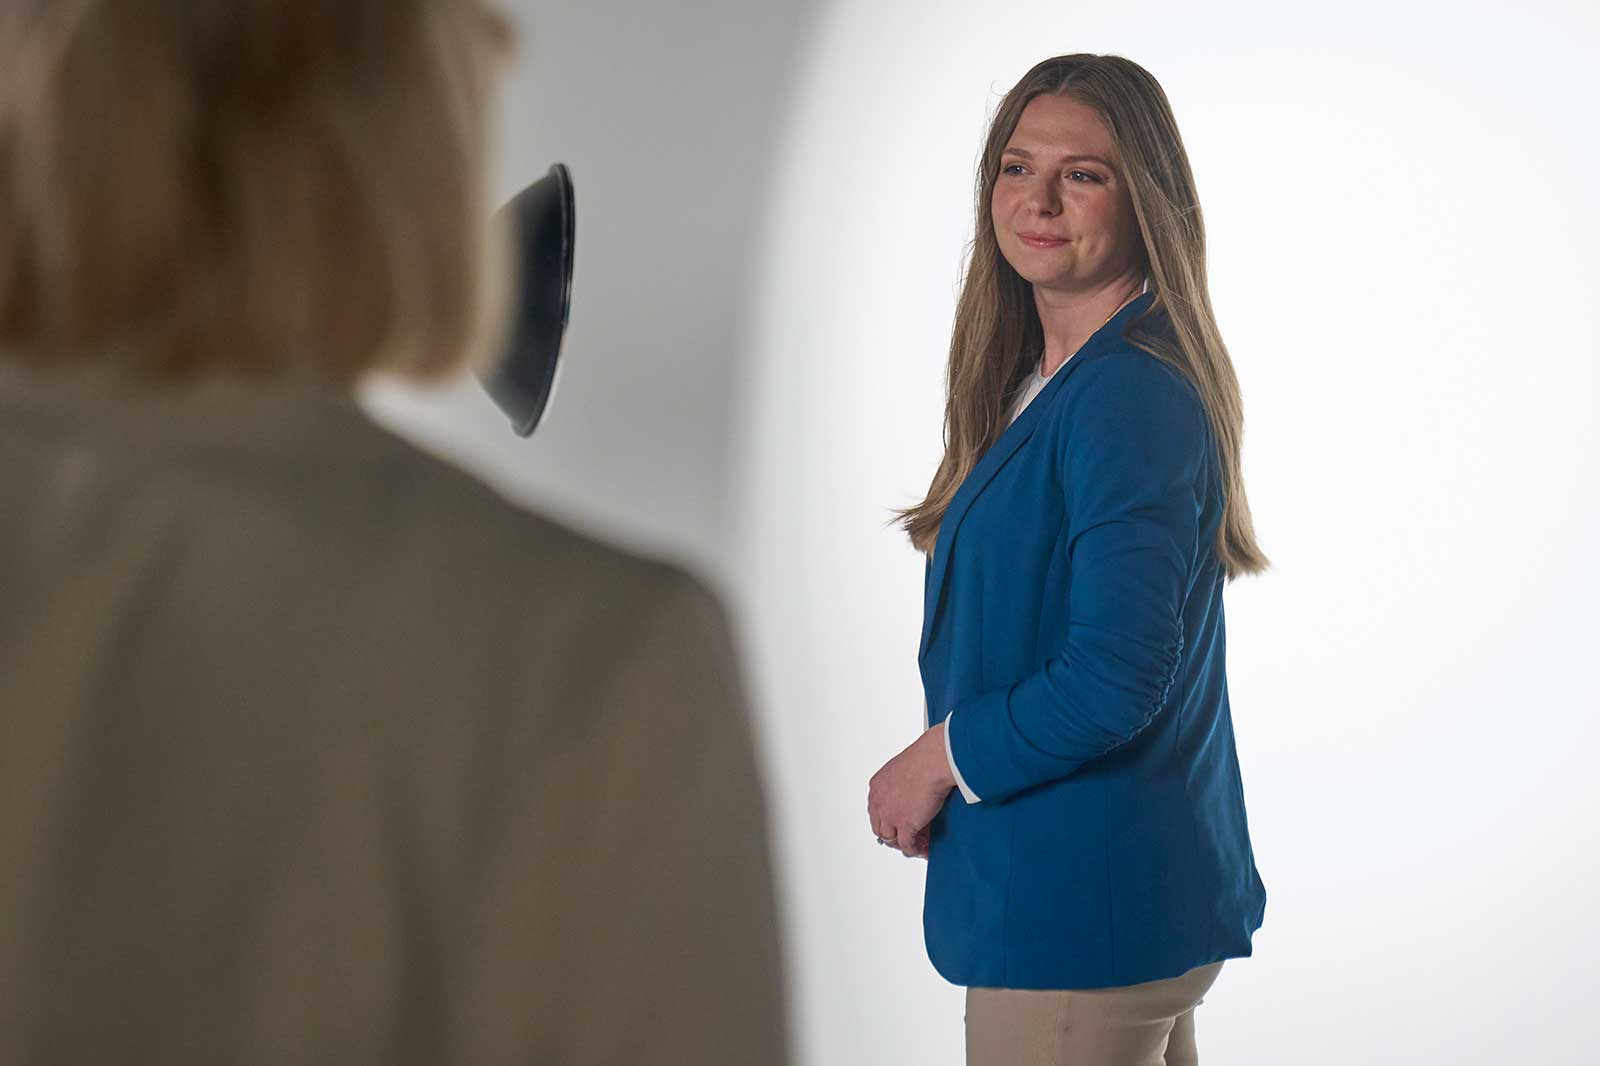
[[244, 186]]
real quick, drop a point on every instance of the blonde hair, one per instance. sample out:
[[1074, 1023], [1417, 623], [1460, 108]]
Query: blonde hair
[[245, 185], [997, 332]]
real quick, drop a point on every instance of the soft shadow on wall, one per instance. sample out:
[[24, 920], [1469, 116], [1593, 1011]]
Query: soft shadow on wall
[[666, 116]]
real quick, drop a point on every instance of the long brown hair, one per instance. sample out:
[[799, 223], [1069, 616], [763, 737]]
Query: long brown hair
[[246, 185], [997, 331]]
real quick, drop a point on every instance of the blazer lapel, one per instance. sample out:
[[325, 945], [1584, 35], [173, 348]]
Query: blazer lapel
[[1003, 449]]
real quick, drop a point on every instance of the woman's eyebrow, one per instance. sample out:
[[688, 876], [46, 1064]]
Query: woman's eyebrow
[[1078, 158]]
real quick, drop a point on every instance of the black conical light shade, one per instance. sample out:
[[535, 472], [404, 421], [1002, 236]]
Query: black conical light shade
[[523, 379]]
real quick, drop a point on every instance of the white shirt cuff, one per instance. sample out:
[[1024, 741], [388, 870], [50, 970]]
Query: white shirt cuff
[[966, 793]]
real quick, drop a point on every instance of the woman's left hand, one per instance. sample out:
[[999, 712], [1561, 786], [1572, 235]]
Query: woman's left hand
[[905, 795]]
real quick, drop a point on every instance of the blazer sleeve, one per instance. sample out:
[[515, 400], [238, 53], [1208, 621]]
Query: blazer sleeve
[[1134, 466]]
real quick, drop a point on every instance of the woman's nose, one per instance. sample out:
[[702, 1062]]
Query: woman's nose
[[1042, 198]]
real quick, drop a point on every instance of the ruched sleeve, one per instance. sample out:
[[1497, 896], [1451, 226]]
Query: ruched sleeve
[[1134, 465]]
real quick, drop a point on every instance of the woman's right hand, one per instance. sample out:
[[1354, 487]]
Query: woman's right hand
[[905, 795]]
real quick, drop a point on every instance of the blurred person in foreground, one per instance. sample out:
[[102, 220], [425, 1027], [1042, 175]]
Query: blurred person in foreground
[[312, 748]]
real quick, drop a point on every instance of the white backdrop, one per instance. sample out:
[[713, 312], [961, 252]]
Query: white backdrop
[[772, 207], [1402, 258]]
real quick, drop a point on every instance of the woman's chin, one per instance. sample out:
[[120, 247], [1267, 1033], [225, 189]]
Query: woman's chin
[[1051, 282]]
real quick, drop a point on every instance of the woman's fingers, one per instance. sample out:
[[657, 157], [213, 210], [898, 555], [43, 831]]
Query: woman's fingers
[[884, 831], [912, 843], [907, 842], [880, 825], [897, 808], [883, 826], [888, 833]]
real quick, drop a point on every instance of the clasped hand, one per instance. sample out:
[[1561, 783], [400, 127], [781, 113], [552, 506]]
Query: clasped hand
[[904, 796]]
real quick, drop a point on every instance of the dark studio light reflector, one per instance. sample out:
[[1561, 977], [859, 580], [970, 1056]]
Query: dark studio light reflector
[[522, 381]]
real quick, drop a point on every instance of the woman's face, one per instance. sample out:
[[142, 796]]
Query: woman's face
[[1062, 213]]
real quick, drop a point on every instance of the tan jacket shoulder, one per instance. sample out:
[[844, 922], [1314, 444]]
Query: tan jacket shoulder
[[316, 748]]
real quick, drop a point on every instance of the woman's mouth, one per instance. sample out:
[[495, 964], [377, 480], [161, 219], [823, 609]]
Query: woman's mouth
[[1041, 240]]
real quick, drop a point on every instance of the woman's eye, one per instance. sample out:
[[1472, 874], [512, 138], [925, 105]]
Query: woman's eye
[[1085, 173], [1010, 168]]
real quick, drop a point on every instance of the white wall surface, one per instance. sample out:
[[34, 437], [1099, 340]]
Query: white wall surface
[[772, 207], [1402, 231], [666, 116]]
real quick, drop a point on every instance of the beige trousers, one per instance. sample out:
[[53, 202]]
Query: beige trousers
[[1149, 1024]]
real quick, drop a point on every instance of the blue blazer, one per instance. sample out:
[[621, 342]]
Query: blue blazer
[[1073, 635]]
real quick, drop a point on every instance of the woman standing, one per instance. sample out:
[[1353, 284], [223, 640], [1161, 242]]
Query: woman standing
[[1096, 869]]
